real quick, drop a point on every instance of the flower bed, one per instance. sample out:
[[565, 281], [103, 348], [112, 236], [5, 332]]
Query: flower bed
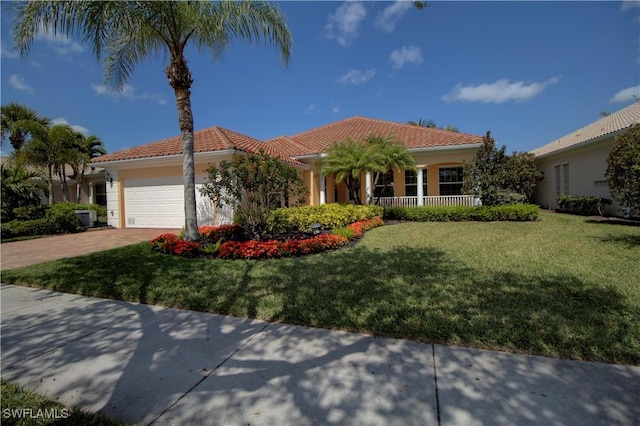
[[221, 242]]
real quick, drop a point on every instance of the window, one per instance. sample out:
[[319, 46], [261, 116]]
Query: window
[[450, 180], [411, 183], [384, 184], [562, 179], [100, 194]]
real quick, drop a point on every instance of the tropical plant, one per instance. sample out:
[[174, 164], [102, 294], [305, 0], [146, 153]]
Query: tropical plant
[[254, 184], [125, 33], [483, 175], [521, 174], [88, 147], [51, 147], [20, 187], [12, 114], [390, 155], [347, 160], [422, 123], [623, 170]]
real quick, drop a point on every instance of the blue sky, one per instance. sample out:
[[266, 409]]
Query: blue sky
[[529, 72]]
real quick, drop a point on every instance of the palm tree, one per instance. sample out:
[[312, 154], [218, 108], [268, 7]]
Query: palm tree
[[20, 187], [51, 147], [88, 148], [390, 155], [422, 123], [125, 33], [12, 113], [347, 160]]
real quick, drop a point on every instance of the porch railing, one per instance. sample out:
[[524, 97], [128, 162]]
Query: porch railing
[[430, 201]]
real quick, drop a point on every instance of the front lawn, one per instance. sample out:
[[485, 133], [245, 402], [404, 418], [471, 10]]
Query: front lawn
[[563, 286]]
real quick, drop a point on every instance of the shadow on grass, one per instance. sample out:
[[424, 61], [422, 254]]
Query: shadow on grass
[[419, 294], [630, 241]]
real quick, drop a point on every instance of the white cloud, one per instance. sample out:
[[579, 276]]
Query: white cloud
[[7, 52], [629, 4], [626, 95], [343, 24], [75, 127], [356, 77], [62, 44], [499, 92], [406, 55], [335, 110], [18, 83], [389, 17], [128, 92], [310, 108]]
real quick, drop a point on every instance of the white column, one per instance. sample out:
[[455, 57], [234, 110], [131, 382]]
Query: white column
[[420, 191], [91, 193], [323, 190], [367, 187]]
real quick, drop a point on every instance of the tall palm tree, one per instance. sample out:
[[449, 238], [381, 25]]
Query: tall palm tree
[[88, 147], [347, 160], [390, 155], [12, 113], [124, 33], [51, 147]]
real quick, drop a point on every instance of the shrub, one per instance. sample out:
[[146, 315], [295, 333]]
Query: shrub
[[170, 243], [582, 205], [215, 233], [328, 216], [344, 231], [362, 226], [30, 212], [513, 212], [63, 219], [24, 228], [268, 249]]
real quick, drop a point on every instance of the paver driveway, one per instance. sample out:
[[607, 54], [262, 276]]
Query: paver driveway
[[29, 252]]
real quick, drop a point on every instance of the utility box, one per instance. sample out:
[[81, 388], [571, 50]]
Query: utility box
[[87, 217]]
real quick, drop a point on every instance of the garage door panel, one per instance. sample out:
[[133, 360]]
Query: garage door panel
[[159, 203]]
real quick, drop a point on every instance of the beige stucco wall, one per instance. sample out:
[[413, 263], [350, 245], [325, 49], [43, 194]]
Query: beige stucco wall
[[587, 165]]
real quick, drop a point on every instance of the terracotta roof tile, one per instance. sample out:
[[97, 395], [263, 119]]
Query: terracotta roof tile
[[612, 123], [320, 139], [207, 140]]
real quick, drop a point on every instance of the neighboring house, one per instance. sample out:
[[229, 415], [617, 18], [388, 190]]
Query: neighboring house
[[93, 190], [576, 164], [145, 189]]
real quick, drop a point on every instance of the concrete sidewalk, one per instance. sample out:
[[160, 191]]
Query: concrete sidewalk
[[152, 365]]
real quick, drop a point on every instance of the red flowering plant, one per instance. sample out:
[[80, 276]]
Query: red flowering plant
[[215, 233], [362, 226], [270, 249], [170, 243]]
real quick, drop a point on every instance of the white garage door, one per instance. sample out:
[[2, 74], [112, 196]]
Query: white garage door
[[158, 203]]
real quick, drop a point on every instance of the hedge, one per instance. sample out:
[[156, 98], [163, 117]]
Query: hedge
[[582, 205], [328, 216], [59, 219], [512, 212]]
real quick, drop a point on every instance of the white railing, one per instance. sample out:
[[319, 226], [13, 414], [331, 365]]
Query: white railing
[[430, 201]]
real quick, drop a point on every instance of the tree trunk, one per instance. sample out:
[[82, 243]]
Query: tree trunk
[[180, 79], [63, 181], [79, 179], [51, 197]]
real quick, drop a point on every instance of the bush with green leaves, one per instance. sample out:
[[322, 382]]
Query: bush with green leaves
[[582, 205], [328, 216], [623, 170], [63, 219], [513, 212]]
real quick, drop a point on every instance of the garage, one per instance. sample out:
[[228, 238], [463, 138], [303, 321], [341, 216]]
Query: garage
[[158, 203]]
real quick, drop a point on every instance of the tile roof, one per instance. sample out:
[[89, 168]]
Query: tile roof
[[610, 124], [206, 140], [320, 139]]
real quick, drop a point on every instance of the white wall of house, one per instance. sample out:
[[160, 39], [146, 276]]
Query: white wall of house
[[579, 171]]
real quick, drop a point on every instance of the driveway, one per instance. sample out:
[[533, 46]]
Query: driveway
[[30, 252]]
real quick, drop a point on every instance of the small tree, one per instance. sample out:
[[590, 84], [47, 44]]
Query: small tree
[[521, 174], [254, 184], [390, 155], [484, 174], [623, 170], [20, 187]]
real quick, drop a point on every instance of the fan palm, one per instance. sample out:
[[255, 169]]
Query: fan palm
[[12, 113], [347, 160], [125, 33]]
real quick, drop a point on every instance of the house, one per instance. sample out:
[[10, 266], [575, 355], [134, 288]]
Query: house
[[145, 190], [576, 164], [93, 189]]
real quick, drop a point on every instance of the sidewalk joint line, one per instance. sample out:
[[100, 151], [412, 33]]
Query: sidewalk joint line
[[435, 378], [210, 373]]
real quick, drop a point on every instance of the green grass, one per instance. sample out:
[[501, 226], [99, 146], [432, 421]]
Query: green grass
[[24, 407], [562, 286]]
